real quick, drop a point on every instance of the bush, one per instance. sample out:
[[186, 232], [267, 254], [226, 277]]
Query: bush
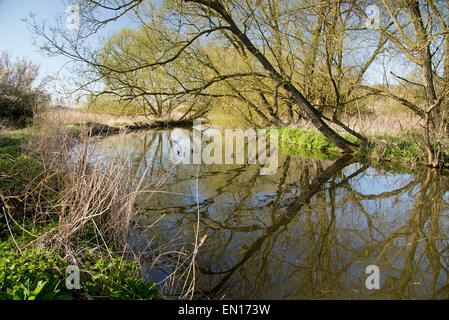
[[18, 97], [30, 275]]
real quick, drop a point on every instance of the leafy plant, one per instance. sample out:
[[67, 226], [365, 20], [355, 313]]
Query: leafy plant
[[35, 274], [31, 274], [119, 280]]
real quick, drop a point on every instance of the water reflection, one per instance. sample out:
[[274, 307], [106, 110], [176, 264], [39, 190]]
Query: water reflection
[[306, 232]]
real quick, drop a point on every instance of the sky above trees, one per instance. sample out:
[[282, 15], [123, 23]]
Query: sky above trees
[[17, 39]]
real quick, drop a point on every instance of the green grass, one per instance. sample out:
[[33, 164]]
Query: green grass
[[11, 144], [305, 138], [399, 148], [309, 142], [406, 148]]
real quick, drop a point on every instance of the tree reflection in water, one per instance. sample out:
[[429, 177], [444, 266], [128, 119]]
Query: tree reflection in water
[[307, 232]]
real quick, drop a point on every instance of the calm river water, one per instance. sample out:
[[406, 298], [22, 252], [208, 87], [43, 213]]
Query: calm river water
[[307, 232]]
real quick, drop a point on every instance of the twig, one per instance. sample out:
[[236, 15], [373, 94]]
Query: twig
[[10, 232]]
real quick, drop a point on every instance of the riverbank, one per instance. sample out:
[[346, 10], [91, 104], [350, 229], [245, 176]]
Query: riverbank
[[393, 138], [403, 147], [56, 214], [105, 123], [389, 141]]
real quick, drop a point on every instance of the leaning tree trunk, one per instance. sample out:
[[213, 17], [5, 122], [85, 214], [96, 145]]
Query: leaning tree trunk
[[314, 115]]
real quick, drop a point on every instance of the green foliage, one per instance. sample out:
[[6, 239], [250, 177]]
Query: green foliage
[[32, 274], [12, 166], [110, 104], [119, 279], [39, 274], [310, 139], [11, 144], [398, 147], [224, 115], [403, 147], [305, 138], [17, 168]]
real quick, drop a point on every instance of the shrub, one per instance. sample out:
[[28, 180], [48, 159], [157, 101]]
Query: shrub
[[18, 96]]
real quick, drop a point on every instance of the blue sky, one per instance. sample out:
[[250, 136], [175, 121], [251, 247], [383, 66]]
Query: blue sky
[[17, 39]]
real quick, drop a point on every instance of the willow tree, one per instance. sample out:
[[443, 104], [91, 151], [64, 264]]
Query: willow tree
[[175, 33], [320, 46], [161, 91], [223, 15]]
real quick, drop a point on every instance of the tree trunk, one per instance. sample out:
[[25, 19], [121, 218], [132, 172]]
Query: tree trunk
[[429, 86], [294, 94]]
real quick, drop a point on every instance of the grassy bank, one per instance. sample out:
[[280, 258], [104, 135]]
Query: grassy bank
[[404, 147], [56, 214], [309, 143]]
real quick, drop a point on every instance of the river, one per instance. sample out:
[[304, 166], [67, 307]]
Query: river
[[309, 231]]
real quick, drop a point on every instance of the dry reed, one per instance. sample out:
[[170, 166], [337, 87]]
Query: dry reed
[[96, 207]]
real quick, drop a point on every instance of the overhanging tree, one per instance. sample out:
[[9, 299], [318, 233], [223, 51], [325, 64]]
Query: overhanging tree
[[177, 30]]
